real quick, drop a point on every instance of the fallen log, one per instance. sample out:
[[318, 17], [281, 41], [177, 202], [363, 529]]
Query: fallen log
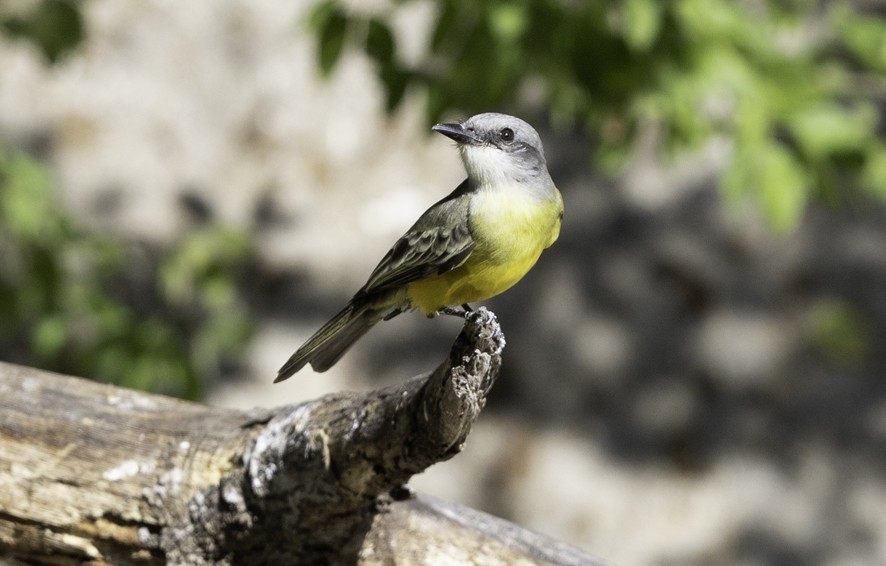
[[96, 474]]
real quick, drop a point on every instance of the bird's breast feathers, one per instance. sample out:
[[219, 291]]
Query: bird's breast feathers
[[511, 224]]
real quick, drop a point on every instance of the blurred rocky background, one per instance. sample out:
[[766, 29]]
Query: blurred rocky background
[[695, 373]]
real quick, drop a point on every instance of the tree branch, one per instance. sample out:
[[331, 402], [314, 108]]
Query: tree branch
[[94, 473]]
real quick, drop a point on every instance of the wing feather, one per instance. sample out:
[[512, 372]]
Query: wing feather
[[439, 241]]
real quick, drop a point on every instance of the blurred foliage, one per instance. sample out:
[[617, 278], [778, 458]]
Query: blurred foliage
[[840, 331], [54, 26], [794, 85], [92, 306]]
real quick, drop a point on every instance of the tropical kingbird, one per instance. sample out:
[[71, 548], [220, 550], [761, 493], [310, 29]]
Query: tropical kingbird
[[475, 243]]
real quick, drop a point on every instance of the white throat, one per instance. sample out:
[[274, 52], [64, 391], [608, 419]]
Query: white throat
[[488, 166]]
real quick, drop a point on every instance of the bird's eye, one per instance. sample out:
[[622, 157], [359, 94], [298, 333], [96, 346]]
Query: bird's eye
[[507, 135]]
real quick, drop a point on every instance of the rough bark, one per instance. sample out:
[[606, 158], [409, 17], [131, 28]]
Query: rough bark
[[91, 473]]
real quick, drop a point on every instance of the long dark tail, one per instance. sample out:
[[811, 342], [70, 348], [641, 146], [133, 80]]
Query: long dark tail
[[330, 343]]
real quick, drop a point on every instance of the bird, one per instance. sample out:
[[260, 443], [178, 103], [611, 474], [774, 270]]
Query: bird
[[473, 244]]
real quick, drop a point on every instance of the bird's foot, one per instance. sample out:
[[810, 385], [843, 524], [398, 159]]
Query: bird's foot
[[456, 311]]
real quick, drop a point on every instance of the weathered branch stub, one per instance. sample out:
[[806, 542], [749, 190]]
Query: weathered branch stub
[[91, 473]]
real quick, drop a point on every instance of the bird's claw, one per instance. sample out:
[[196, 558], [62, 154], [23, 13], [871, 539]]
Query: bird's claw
[[461, 311]]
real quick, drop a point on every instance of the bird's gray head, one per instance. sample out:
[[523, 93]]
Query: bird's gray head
[[498, 149]]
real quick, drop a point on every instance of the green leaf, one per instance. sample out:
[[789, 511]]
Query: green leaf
[[771, 177], [719, 21], [446, 26], [865, 36], [330, 25], [380, 43], [320, 13], [827, 128], [50, 336], [643, 23], [55, 26], [839, 330], [874, 171], [381, 46], [395, 81], [27, 203], [508, 22], [784, 187]]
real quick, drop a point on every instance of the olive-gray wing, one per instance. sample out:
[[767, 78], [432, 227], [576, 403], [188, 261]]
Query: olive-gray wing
[[421, 253]]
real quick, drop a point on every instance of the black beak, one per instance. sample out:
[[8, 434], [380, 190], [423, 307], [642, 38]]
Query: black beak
[[458, 133]]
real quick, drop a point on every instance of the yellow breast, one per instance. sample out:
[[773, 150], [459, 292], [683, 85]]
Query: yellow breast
[[510, 229]]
